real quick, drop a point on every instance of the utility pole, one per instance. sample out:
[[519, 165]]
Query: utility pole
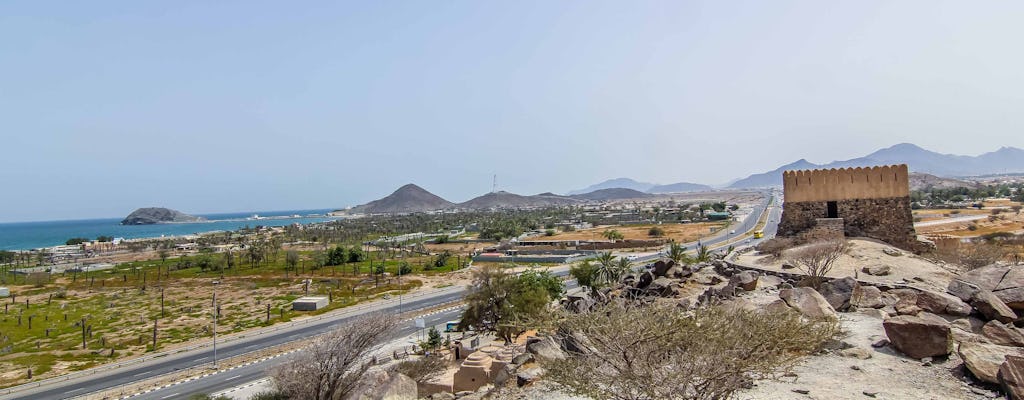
[[216, 310]]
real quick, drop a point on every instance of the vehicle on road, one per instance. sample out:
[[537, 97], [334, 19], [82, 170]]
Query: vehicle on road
[[758, 234]]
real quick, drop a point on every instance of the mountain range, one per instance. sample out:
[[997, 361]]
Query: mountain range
[[928, 168], [411, 198], [919, 160]]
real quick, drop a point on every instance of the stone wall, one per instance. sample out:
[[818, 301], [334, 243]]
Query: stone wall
[[885, 219], [824, 229], [881, 182]]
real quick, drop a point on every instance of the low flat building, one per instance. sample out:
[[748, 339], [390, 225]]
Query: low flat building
[[309, 303]]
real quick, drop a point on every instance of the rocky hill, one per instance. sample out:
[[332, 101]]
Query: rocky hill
[[624, 183], [156, 215], [502, 199], [612, 194], [919, 181], [680, 187], [407, 199]]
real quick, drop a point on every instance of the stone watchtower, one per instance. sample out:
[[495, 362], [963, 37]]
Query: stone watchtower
[[871, 202]]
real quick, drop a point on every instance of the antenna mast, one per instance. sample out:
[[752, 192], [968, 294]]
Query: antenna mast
[[494, 184]]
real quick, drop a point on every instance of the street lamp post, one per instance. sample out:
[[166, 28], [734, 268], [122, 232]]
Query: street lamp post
[[215, 312]]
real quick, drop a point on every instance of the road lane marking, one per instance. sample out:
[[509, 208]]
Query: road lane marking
[[143, 373], [170, 395], [233, 377]]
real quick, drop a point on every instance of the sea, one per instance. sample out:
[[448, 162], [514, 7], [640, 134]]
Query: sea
[[34, 235]]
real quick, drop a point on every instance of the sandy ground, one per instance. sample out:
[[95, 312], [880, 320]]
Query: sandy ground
[[906, 268], [887, 374], [679, 232]]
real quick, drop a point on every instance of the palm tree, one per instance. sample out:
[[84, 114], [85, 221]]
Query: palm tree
[[610, 270], [677, 253], [703, 253]]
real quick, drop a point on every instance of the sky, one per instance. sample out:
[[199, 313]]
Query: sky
[[248, 105]]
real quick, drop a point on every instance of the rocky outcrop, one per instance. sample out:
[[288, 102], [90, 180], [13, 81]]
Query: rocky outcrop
[[984, 359], [1005, 282], [1003, 335], [919, 336], [156, 215], [941, 303], [379, 385], [1011, 377], [839, 292]]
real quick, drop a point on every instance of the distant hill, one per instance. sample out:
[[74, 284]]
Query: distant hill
[[627, 183], [771, 178], [681, 187], [919, 181], [624, 183], [407, 199], [1004, 160], [612, 194], [502, 199], [157, 215]]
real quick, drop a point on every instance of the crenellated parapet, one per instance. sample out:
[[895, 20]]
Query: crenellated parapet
[[836, 184]]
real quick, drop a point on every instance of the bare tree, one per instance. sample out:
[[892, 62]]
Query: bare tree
[[642, 352], [333, 365], [816, 259]]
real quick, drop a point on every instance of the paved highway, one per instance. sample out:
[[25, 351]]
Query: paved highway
[[252, 372], [106, 378]]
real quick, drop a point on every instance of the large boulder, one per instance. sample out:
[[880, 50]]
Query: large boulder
[[663, 287], [869, 297], [984, 359], [1003, 335], [876, 270], [528, 375], [661, 267], [808, 302], [990, 306], [941, 303], [745, 280], [1011, 288], [546, 348], [919, 336], [644, 280], [1011, 377], [839, 292]]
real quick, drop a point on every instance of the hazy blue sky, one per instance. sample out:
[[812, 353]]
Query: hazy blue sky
[[244, 105]]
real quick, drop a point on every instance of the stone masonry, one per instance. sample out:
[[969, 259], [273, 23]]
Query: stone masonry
[[867, 202]]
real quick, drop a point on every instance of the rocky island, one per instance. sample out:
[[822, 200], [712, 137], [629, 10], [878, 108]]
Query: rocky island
[[156, 215]]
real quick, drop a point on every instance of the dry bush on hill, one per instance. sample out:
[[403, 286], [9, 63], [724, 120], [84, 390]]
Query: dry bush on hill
[[659, 352], [333, 365], [971, 255], [816, 259]]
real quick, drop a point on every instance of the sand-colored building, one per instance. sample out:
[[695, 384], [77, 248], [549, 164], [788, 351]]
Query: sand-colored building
[[869, 202]]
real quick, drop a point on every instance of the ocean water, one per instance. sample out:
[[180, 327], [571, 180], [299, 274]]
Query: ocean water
[[33, 235]]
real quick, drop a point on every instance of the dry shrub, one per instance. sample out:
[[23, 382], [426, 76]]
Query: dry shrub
[[634, 352], [817, 259], [974, 254], [775, 246], [422, 369], [333, 365]]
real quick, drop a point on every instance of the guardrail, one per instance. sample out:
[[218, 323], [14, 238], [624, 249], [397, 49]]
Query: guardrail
[[337, 314]]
